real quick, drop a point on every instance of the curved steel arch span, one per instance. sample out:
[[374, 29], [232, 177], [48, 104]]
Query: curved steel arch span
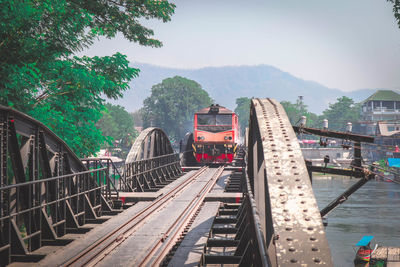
[[289, 215], [44, 188], [35, 138], [152, 142], [151, 162]]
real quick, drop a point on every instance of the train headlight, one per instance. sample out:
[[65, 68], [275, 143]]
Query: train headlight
[[198, 138], [226, 137], [202, 138], [230, 137]]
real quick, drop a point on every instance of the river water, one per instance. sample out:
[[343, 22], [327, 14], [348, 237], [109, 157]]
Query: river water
[[372, 210]]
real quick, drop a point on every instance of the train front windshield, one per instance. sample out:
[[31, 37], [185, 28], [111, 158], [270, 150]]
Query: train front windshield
[[214, 119]]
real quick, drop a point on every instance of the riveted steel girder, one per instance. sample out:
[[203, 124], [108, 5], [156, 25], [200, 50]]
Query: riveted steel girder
[[289, 215]]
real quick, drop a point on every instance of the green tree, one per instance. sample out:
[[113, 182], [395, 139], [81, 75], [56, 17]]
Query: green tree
[[297, 110], [396, 10], [243, 111], [137, 118], [72, 110], [342, 112], [40, 75], [172, 105], [117, 124]]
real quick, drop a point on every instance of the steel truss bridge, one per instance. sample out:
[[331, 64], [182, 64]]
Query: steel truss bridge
[[153, 211]]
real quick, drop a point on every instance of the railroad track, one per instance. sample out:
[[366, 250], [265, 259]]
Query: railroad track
[[95, 253], [106, 245], [163, 246]]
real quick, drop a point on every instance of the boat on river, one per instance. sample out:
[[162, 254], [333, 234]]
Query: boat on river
[[378, 256], [364, 249]]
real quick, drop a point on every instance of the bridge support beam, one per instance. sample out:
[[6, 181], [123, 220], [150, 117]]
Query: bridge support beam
[[289, 216]]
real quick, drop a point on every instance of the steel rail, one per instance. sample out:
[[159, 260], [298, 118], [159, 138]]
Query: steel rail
[[163, 245], [171, 237], [105, 252], [91, 257]]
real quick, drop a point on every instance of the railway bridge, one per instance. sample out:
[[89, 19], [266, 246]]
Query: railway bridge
[[59, 210]]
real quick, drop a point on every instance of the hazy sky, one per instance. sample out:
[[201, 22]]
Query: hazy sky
[[344, 44]]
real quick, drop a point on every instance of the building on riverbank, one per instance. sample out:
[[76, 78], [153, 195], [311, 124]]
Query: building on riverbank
[[380, 117], [388, 133], [384, 107]]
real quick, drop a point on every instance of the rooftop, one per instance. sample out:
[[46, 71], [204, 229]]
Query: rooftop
[[384, 95], [221, 110], [383, 128]]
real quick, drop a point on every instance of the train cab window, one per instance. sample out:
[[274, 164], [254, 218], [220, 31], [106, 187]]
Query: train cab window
[[219, 119], [206, 119], [225, 119]]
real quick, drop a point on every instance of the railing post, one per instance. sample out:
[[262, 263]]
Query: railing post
[[108, 188]]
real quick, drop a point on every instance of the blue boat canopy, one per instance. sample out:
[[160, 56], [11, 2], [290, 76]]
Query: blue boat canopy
[[394, 162], [364, 241]]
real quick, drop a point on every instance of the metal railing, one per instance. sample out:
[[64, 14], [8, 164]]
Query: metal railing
[[150, 174], [244, 243], [37, 212], [116, 174], [259, 241]]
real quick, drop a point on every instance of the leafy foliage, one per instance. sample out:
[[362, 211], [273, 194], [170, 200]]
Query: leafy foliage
[[39, 74], [172, 105], [243, 111], [396, 10], [293, 111], [137, 118], [71, 103], [297, 110], [117, 124], [342, 112], [338, 113]]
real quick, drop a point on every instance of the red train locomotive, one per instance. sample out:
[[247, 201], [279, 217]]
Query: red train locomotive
[[216, 133]]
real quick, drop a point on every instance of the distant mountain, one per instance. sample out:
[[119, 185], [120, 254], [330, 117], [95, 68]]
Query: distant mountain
[[225, 84]]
